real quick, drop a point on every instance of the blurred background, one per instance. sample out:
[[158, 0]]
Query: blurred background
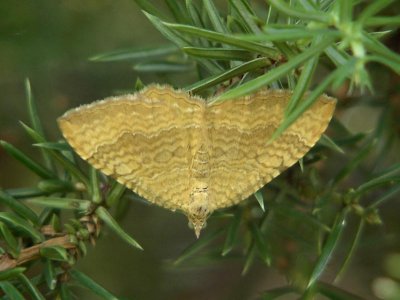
[[50, 42]]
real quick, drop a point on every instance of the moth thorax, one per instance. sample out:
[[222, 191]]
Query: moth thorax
[[198, 208], [200, 163]]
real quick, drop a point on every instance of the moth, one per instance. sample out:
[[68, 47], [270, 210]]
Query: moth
[[184, 153]]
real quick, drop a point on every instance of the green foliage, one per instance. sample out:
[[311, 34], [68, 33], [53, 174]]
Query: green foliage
[[236, 51]]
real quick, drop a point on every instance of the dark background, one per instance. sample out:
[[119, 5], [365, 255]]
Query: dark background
[[50, 43]]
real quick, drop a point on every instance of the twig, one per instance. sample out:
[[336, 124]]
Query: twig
[[31, 253]]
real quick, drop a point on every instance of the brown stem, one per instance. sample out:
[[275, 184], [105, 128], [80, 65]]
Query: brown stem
[[31, 253]]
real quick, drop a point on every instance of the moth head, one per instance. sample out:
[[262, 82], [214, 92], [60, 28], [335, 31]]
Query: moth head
[[198, 208]]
